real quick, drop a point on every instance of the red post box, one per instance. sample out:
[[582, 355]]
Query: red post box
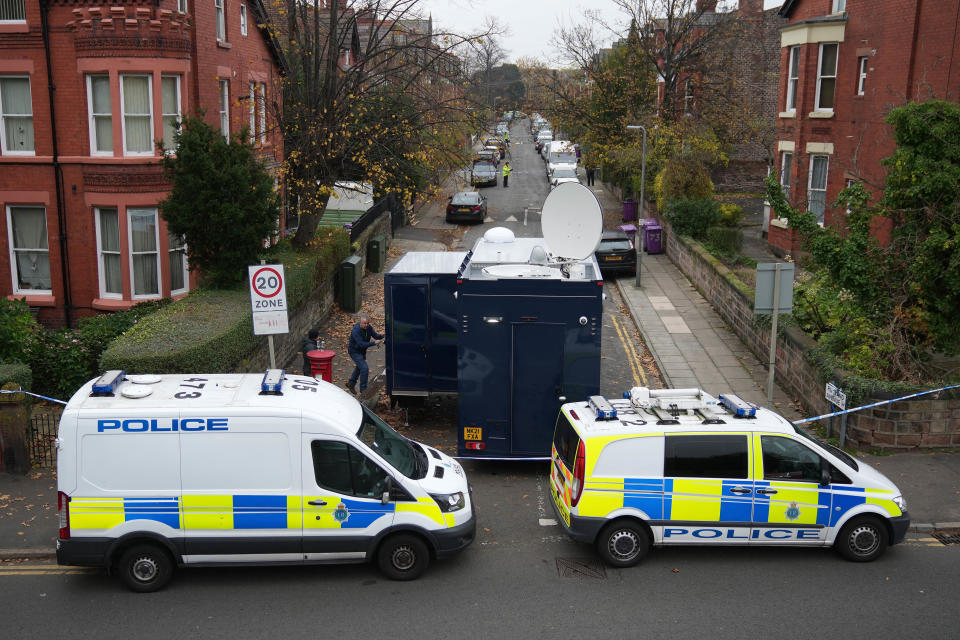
[[321, 364]]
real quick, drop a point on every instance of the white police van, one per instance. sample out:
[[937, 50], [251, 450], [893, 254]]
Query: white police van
[[159, 472], [678, 466]]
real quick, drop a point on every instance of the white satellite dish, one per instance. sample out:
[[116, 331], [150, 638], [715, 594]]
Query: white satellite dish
[[499, 235], [135, 391], [572, 221]]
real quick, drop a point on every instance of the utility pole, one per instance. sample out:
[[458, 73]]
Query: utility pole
[[643, 183]]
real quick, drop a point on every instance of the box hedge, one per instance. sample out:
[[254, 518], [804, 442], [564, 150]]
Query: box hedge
[[212, 330], [17, 373]]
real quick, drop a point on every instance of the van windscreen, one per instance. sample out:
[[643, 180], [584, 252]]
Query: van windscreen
[[400, 453], [566, 440]]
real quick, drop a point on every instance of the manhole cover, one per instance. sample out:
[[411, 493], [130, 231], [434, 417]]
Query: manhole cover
[[947, 536], [580, 568]]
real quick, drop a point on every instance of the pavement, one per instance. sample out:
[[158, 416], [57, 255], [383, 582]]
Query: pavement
[[692, 345]]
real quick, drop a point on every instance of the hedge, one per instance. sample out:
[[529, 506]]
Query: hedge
[[17, 373], [211, 331]]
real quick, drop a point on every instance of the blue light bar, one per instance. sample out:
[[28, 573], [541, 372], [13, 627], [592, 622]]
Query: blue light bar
[[272, 382], [602, 407], [738, 406], [106, 384]]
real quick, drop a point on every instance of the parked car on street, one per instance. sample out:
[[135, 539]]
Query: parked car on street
[[483, 174], [496, 142], [563, 174], [467, 206], [616, 252], [488, 155]]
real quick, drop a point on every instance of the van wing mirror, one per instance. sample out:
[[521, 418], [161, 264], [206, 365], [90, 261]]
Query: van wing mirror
[[825, 477]]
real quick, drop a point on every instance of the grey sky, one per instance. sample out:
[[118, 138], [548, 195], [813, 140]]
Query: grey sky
[[532, 22]]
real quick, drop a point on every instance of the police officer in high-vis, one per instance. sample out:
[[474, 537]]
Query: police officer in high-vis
[[506, 174]]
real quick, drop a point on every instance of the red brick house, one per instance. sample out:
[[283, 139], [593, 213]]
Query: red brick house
[[844, 65], [86, 88]]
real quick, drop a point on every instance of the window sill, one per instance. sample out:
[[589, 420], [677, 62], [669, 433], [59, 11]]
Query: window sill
[[224, 45], [112, 304], [788, 114], [9, 158], [820, 114], [780, 223], [35, 300], [15, 27]]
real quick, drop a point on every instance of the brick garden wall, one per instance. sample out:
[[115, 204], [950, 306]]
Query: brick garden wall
[[922, 423]]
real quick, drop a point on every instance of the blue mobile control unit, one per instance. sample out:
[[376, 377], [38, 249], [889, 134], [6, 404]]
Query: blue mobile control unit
[[529, 340], [421, 325]]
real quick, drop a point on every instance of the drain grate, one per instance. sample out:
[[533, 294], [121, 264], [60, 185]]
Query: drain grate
[[947, 536], [581, 568]]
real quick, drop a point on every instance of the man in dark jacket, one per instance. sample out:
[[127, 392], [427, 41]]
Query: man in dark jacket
[[310, 344], [362, 337]]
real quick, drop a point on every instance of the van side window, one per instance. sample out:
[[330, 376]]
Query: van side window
[[705, 456], [341, 468], [787, 459]]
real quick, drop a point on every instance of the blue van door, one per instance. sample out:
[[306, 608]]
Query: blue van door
[[537, 383], [407, 337]]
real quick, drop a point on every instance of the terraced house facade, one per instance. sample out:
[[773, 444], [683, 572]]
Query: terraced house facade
[[844, 65], [91, 94]]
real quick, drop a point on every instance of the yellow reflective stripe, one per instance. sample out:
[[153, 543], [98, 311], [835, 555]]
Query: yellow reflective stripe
[[320, 516], [600, 503], [696, 499], [96, 513], [805, 498], [294, 512], [426, 507], [207, 512], [757, 457], [888, 505]]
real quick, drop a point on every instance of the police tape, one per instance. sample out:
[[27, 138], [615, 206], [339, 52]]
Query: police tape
[[875, 404], [35, 395]]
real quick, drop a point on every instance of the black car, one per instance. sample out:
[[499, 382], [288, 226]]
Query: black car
[[468, 206], [483, 174], [616, 252]]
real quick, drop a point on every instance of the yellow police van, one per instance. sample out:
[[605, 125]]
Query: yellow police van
[[678, 466], [161, 472]]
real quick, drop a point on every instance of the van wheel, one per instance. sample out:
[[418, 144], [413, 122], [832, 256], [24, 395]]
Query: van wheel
[[862, 539], [623, 543], [403, 557], [145, 568]]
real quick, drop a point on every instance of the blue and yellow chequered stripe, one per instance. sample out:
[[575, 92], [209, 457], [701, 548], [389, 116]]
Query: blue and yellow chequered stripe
[[710, 500], [240, 511]]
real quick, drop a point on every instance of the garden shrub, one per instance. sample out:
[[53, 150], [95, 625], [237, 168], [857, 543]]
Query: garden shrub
[[730, 214], [17, 373], [728, 239], [682, 177], [693, 218], [18, 330]]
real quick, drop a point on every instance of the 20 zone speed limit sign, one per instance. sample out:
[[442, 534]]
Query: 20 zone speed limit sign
[[268, 299]]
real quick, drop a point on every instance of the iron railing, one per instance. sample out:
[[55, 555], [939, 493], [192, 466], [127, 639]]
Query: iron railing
[[41, 437]]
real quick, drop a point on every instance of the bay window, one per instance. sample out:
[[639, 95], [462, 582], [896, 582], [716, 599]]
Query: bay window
[[144, 256], [136, 97], [101, 115], [108, 249], [826, 76], [29, 251], [817, 191], [170, 98], [16, 111], [793, 78]]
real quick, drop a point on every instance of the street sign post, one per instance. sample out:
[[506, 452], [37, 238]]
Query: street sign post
[[773, 295], [838, 399], [268, 300]]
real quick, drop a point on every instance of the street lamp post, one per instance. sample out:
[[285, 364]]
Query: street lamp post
[[643, 183]]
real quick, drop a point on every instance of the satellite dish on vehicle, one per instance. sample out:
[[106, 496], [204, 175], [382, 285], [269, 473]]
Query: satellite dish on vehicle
[[135, 391], [499, 235], [572, 221]]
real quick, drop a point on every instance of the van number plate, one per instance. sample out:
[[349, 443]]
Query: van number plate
[[473, 433]]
